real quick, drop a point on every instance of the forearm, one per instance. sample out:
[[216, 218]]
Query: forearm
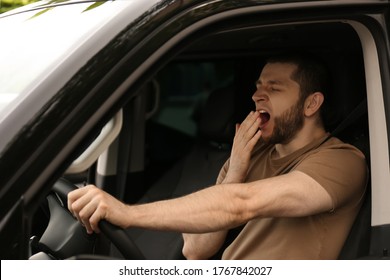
[[225, 206], [201, 212], [209, 210]]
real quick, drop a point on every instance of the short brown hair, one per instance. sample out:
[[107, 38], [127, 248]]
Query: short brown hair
[[311, 74]]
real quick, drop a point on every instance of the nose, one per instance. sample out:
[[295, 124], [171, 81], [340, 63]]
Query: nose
[[259, 95]]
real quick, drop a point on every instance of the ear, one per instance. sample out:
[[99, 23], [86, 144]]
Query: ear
[[313, 103]]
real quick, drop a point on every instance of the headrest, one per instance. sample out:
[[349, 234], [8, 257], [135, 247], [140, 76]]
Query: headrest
[[217, 121]]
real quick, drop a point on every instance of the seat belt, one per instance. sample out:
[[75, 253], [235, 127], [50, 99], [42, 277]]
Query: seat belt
[[353, 116]]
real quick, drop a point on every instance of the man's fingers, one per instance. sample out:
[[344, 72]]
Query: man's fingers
[[252, 142], [75, 195], [237, 127], [94, 220], [84, 205], [251, 124], [248, 129], [77, 200]]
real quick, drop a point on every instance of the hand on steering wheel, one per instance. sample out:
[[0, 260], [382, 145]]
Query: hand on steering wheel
[[114, 233]]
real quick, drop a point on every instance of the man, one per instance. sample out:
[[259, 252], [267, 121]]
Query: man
[[296, 189]]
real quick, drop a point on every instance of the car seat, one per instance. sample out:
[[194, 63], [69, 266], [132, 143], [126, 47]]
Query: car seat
[[357, 244], [349, 81]]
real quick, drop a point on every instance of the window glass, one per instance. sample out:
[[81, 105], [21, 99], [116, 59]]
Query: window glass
[[184, 87], [34, 43]]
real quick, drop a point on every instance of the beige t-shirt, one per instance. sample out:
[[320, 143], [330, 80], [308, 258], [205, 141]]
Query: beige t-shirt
[[339, 168]]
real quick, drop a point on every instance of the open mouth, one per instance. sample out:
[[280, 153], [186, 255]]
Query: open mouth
[[264, 116]]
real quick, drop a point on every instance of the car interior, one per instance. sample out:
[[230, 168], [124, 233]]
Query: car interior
[[176, 131]]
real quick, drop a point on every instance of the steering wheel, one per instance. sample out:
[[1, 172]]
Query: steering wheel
[[63, 225]]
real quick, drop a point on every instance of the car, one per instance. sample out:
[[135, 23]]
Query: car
[[141, 98]]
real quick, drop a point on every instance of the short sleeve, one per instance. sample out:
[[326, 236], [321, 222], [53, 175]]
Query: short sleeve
[[341, 170]]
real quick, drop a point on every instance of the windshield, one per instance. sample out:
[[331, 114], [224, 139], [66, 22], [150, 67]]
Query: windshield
[[34, 43]]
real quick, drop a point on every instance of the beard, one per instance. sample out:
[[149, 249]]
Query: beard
[[288, 124]]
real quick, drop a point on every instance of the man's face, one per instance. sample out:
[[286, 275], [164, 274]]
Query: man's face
[[278, 100]]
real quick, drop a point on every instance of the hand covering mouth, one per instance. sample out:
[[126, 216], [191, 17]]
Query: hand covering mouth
[[264, 116]]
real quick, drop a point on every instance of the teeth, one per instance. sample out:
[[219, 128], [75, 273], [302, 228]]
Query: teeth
[[262, 111]]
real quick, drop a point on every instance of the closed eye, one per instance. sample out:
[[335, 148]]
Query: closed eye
[[271, 86]]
